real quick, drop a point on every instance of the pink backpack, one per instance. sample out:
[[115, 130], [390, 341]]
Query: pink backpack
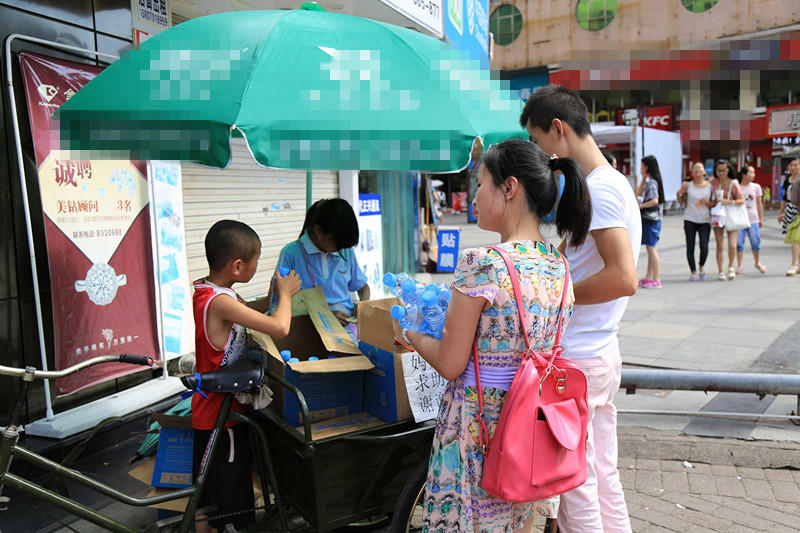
[[539, 445]]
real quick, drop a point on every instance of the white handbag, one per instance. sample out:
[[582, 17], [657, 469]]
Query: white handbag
[[736, 216]]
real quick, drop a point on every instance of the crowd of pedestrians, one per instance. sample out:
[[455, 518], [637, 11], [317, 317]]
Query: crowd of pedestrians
[[719, 204]]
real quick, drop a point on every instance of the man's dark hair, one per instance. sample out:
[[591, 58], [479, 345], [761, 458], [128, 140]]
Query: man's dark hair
[[229, 240], [555, 101], [334, 217]]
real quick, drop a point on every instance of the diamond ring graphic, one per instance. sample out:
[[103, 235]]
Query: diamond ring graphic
[[101, 283]]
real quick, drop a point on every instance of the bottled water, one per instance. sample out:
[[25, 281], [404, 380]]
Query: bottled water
[[393, 282], [313, 358], [286, 355], [293, 360], [409, 317], [412, 291], [284, 271], [433, 313]]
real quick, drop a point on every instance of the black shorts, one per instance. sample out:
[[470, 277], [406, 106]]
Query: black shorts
[[229, 483]]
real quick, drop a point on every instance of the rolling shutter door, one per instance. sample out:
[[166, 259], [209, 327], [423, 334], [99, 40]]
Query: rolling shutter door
[[271, 201]]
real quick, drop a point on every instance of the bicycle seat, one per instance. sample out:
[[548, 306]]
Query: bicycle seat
[[242, 375]]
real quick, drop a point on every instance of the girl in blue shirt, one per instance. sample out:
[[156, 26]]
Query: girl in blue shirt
[[323, 256]]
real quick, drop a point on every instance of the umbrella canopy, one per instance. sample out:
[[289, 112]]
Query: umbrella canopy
[[307, 89]]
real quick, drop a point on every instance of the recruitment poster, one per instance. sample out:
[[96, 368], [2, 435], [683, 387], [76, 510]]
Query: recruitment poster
[[97, 230]]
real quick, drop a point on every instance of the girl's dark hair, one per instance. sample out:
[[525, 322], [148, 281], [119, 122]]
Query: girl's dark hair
[[651, 163], [744, 170], [536, 173], [334, 217], [731, 171], [610, 158]]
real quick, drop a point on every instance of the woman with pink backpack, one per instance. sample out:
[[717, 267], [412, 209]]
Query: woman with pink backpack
[[501, 323]]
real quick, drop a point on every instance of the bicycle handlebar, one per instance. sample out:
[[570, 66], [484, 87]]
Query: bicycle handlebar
[[55, 374]]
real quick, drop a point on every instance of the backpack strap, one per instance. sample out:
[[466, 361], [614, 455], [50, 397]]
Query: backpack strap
[[557, 348]]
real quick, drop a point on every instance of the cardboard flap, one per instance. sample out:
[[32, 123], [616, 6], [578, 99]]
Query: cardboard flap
[[333, 335], [339, 364], [342, 425], [173, 421], [377, 327]]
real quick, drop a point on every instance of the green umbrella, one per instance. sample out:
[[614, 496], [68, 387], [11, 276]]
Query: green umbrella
[[307, 89]]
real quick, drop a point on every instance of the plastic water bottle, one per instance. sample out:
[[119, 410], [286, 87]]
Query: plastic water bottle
[[293, 360], [393, 282], [313, 358], [286, 355], [433, 313], [409, 317], [331, 357], [444, 296], [412, 291], [284, 271]]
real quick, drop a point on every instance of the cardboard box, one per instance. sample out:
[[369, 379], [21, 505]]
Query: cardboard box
[[342, 426], [332, 387], [385, 393], [173, 463]]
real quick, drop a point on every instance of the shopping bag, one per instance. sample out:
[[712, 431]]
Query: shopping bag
[[736, 217], [793, 231]]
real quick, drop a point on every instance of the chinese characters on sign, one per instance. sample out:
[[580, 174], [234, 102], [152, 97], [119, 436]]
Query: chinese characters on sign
[[149, 18], [97, 230], [370, 241], [424, 386], [448, 249], [783, 121]]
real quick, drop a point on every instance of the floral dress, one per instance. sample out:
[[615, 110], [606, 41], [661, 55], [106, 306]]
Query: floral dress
[[454, 499]]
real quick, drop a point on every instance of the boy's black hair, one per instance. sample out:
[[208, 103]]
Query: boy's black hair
[[229, 240], [610, 158], [334, 217], [555, 101]]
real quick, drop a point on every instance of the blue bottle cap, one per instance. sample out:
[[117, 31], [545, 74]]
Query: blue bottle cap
[[313, 358], [286, 355], [398, 312], [331, 357], [389, 279], [293, 360], [429, 297], [409, 285], [285, 271]]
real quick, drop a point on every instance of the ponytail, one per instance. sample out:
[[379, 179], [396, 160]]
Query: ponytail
[[574, 213]]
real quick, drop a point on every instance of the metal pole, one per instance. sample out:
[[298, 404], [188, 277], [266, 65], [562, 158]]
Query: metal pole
[[706, 414], [23, 186], [309, 186]]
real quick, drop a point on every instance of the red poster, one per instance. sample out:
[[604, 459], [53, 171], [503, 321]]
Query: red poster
[[97, 229]]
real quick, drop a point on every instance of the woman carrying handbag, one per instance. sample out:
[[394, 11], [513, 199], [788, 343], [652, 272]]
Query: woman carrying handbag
[[729, 196], [517, 187]]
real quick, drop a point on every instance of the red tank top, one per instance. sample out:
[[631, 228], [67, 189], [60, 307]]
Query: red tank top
[[209, 357]]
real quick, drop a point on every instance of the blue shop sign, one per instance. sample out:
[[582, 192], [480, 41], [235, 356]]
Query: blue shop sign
[[466, 26], [448, 249]]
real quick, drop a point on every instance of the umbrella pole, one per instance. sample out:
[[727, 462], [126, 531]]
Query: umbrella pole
[[309, 186]]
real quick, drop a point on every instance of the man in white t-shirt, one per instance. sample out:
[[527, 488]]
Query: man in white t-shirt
[[604, 273]]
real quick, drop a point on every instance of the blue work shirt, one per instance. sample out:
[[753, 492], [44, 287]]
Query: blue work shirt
[[338, 275]]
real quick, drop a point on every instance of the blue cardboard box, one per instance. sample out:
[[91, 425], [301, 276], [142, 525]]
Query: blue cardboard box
[[331, 387], [173, 463], [385, 394]]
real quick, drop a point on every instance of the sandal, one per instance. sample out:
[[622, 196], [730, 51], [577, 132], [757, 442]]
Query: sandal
[[731, 273], [761, 268], [739, 271], [703, 275], [794, 269], [721, 276], [693, 277]]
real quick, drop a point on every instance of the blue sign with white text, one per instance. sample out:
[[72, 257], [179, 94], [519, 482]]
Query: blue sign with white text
[[448, 249], [466, 26]]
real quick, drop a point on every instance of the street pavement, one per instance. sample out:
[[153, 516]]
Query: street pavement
[[687, 473]]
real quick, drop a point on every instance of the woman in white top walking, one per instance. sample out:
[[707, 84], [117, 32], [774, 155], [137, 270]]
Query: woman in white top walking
[[755, 211], [698, 195], [727, 193]]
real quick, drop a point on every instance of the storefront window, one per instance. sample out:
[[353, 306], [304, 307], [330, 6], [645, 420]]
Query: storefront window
[[594, 15], [505, 24], [698, 6]]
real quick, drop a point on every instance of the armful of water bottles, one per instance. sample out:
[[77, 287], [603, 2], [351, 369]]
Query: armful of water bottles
[[423, 308]]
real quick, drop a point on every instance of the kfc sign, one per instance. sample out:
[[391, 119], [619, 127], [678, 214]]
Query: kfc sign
[[659, 117]]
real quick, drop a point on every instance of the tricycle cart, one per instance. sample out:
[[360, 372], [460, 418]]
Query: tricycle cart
[[335, 481]]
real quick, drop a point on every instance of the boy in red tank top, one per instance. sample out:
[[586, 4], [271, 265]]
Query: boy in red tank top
[[220, 318]]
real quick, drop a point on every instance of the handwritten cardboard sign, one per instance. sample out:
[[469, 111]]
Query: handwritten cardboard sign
[[424, 386]]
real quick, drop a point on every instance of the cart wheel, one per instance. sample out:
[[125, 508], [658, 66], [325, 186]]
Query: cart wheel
[[407, 516]]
